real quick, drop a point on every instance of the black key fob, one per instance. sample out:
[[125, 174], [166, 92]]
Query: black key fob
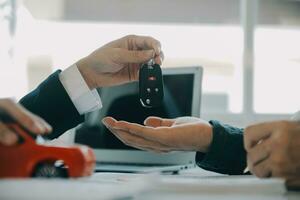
[[151, 85]]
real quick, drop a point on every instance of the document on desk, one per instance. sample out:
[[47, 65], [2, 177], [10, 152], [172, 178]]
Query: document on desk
[[221, 184], [67, 189], [126, 186]]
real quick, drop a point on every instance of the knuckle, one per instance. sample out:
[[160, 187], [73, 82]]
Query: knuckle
[[131, 36], [28, 122], [151, 39]]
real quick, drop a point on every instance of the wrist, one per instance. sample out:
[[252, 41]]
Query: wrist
[[206, 136], [83, 67]]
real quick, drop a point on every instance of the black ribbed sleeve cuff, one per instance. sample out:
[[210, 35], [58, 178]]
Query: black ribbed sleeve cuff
[[226, 154]]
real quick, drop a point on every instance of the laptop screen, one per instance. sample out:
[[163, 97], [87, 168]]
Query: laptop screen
[[122, 102]]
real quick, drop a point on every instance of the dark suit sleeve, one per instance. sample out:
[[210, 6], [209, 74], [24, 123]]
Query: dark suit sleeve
[[226, 154], [51, 102]]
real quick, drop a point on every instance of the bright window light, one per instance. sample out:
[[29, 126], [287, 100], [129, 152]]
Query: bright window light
[[217, 48], [277, 70]]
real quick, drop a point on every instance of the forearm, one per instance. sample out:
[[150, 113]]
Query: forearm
[[226, 154], [51, 101]]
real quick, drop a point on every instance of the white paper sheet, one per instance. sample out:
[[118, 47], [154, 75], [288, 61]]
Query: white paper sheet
[[221, 185], [122, 186], [67, 189]]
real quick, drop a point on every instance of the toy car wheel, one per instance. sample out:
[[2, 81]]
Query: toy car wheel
[[48, 170]]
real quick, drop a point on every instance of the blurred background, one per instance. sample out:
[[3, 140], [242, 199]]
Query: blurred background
[[249, 49]]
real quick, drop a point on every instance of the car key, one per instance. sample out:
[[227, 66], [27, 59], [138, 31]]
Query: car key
[[151, 85]]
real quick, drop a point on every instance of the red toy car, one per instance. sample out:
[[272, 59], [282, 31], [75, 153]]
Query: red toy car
[[29, 159]]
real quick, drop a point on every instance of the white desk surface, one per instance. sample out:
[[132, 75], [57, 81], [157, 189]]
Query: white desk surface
[[188, 185]]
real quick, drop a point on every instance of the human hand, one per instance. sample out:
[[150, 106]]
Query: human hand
[[23, 117], [119, 61], [163, 135], [273, 150]]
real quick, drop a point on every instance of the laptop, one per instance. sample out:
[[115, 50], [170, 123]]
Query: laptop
[[182, 95]]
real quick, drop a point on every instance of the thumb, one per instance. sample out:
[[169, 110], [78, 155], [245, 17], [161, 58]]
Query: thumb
[[108, 121], [141, 56], [157, 122]]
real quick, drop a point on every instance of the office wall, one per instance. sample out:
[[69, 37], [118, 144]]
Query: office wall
[[160, 11]]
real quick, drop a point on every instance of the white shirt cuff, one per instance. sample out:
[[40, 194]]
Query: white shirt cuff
[[68, 138], [84, 99]]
